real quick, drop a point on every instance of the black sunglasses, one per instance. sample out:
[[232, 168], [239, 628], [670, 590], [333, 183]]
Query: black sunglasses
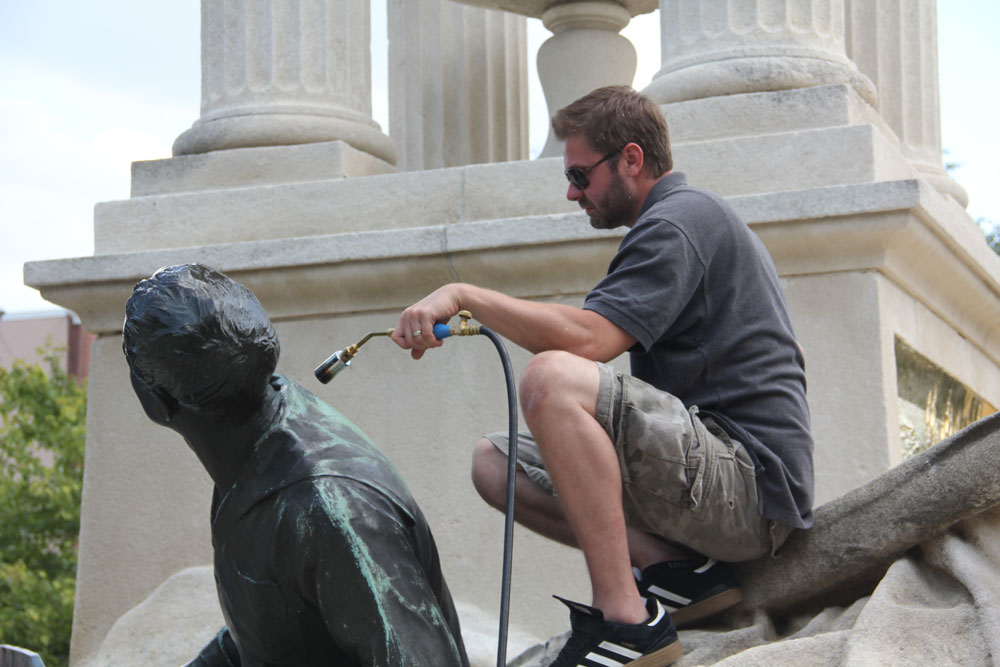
[[577, 176]]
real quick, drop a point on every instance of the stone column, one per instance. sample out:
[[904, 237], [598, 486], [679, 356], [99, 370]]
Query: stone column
[[585, 52], [726, 47], [285, 73], [894, 42], [458, 82]]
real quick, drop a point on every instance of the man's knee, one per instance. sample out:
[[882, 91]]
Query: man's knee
[[547, 377], [489, 473]]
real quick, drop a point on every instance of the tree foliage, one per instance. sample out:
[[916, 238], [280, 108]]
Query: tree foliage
[[992, 232], [42, 430]]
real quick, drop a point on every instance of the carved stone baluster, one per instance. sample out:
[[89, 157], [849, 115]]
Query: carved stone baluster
[[585, 52]]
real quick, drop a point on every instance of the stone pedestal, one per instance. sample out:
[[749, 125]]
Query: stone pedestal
[[459, 82]]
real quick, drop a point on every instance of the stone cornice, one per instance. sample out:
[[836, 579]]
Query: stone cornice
[[904, 229]]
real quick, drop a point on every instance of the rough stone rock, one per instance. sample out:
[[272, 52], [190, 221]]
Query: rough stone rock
[[859, 535], [167, 628]]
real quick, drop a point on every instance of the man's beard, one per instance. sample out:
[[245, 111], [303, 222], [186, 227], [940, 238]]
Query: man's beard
[[615, 210]]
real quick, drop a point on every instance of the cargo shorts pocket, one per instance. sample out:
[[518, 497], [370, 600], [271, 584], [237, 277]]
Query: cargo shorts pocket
[[661, 451]]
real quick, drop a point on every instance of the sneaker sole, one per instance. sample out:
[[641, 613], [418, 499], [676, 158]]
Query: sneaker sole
[[699, 611], [659, 658]]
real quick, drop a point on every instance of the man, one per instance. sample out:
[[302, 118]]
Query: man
[[703, 453], [322, 557]]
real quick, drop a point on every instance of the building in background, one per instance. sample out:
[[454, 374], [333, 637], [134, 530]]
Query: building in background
[[23, 334]]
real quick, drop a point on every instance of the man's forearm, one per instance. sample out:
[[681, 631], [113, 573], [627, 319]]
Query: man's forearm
[[538, 326]]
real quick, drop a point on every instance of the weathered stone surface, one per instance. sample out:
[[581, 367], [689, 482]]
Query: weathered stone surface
[[167, 628]]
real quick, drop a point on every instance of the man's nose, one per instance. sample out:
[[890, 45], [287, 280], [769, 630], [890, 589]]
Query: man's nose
[[574, 193]]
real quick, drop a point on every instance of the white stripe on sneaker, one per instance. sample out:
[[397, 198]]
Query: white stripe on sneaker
[[621, 655], [667, 595], [601, 660], [659, 614], [706, 567]]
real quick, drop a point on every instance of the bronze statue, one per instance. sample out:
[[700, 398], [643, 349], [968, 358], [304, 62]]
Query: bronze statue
[[322, 557]]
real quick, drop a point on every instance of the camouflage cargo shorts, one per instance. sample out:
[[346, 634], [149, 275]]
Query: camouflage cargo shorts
[[683, 478]]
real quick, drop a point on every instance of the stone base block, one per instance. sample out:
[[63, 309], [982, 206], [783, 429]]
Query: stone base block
[[250, 167], [737, 145]]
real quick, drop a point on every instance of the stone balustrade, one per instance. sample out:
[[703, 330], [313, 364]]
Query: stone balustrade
[[298, 74]]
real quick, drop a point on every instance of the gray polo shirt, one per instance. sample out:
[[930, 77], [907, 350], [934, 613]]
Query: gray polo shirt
[[700, 294]]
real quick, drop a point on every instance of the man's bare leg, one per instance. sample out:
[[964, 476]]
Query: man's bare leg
[[559, 398], [534, 507], [538, 510]]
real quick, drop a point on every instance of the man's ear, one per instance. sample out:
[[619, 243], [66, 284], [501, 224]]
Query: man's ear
[[634, 158]]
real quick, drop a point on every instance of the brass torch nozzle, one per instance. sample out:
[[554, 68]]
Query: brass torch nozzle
[[341, 359]]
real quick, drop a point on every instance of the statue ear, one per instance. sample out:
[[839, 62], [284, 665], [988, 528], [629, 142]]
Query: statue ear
[[157, 405], [161, 408]]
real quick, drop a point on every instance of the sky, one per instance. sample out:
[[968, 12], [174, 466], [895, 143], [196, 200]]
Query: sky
[[86, 88]]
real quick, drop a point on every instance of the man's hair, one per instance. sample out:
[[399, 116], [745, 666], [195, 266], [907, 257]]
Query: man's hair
[[201, 338], [610, 117]]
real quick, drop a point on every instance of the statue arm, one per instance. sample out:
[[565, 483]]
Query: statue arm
[[220, 652], [368, 582]]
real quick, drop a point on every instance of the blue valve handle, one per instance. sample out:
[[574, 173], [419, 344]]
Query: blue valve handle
[[441, 331]]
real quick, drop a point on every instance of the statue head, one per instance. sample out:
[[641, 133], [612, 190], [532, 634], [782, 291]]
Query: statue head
[[197, 340]]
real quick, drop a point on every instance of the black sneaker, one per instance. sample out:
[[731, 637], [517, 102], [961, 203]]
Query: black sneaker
[[595, 642], [691, 590]]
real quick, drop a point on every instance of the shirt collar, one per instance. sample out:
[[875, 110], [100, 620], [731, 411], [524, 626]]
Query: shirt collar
[[666, 183]]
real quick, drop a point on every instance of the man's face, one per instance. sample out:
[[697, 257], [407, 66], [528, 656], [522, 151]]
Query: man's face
[[606, 199]]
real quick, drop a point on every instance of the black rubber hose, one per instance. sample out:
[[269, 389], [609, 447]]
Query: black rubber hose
[[508, 530]]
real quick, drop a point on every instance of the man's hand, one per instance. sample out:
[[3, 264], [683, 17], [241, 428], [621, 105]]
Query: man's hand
[[414, 331]]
